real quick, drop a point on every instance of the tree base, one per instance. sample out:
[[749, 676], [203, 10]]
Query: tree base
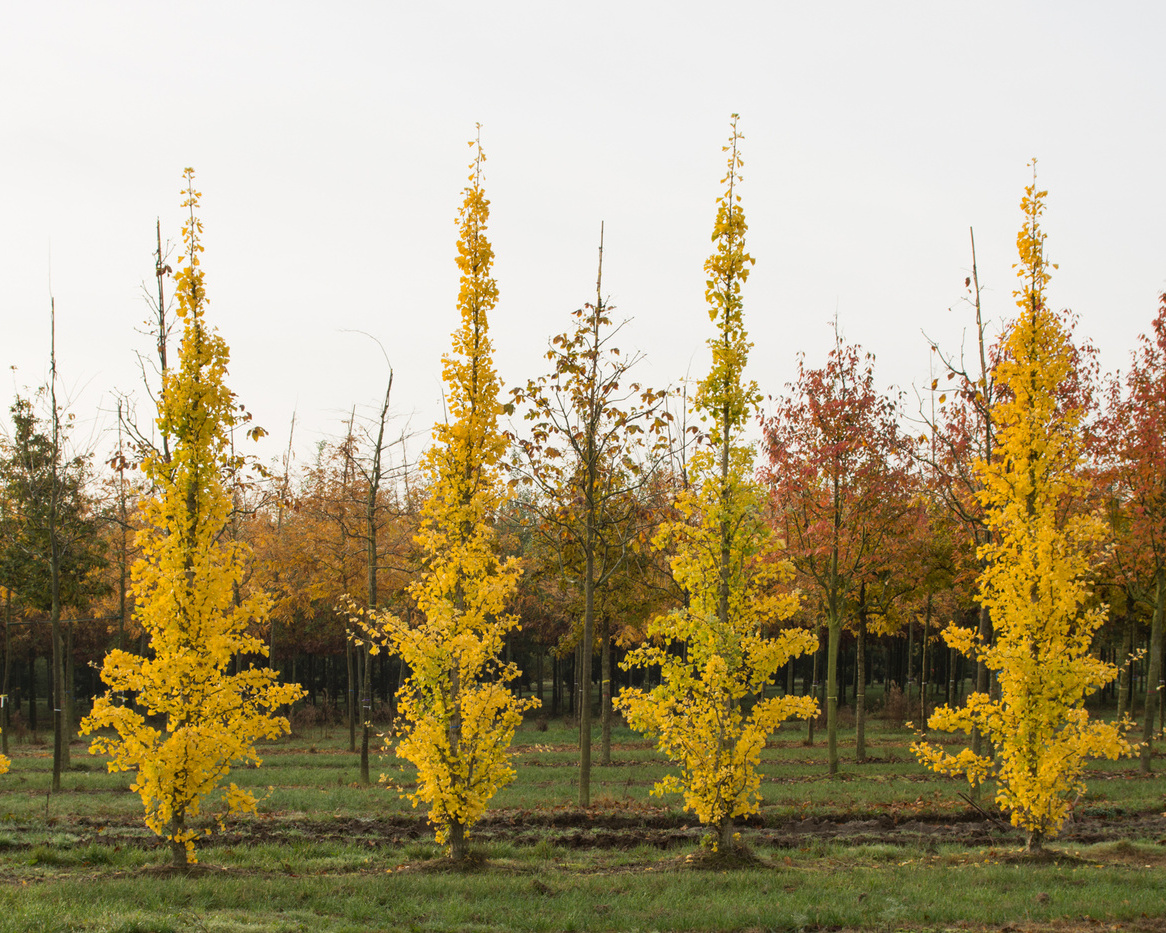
[[735, 855]]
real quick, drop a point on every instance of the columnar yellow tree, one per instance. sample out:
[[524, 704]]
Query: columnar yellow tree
[[730, 565], [184, 592], [460, 716], [1037, 581]]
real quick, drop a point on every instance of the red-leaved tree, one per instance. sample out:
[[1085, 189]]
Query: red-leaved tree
[[840, 491], [1133, 434]]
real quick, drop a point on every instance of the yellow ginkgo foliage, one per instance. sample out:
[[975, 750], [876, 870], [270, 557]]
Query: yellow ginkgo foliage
[[184, 587], [709, 714], [1038, 578], [460, 715]]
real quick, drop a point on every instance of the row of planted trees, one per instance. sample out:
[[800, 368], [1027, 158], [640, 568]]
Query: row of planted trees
[[614, 515]]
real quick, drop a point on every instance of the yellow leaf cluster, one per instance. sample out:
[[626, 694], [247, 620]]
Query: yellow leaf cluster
[[706, 713], [709, 713], [1037, 581], [724, 393], [184, 586], [461, 716]]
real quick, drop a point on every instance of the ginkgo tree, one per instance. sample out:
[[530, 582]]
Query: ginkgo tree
[[459, 714], [709, 714], [1039, 565], [184, 589]]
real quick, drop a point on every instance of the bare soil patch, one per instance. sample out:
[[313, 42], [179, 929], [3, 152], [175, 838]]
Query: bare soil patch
[[621, 829]]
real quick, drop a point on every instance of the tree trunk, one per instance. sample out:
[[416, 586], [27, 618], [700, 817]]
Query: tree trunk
[[725, 840], [952, 689], [32, 722], [605, 693], [1131, 638], [982, 681], [179, 857], [571, 679], [457, 830], [1154, 679], [810, 720], [400, 683], [586, 649], [351, 696], [860, 689], [924, 677], [835, 627], [554, 685], [458, 847], [70, 708], [58, 683], [910, 661], [365, 709], [5, 701]]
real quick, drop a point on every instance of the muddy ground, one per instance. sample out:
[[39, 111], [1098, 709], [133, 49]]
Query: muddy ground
[[574, 828]]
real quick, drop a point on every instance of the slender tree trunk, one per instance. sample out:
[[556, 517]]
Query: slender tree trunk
[[401, 678], [60, 746], [844, 679], [179, 857], [1123, 668], [58, 694], [605, 692], [555, 705], [860, 689], [810, 720], [953, 681], [586, 650], [32, 721], [1131, 664], [351, 705], [458, 848], [1154, 679], [374, 477], [982, 681], [924, 677], [365, 709], [5, 699], [69, 712], [835, 627], [983, 676], [910, 661]]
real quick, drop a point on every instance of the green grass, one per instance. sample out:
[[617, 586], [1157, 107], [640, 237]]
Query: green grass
[[328, 854], [934, 891]]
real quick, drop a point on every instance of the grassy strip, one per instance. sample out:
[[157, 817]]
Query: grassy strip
[[850, 888], [318, 857]]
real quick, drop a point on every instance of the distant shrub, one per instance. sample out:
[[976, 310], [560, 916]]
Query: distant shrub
[[896, 708]]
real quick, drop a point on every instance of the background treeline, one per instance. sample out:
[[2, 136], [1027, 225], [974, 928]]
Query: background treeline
[[874, 493]]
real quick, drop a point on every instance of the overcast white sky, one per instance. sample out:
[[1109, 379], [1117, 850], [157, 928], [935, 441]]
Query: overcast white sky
[[330, 146]]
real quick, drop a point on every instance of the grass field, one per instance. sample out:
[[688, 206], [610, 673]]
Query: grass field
[[885, 846]]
